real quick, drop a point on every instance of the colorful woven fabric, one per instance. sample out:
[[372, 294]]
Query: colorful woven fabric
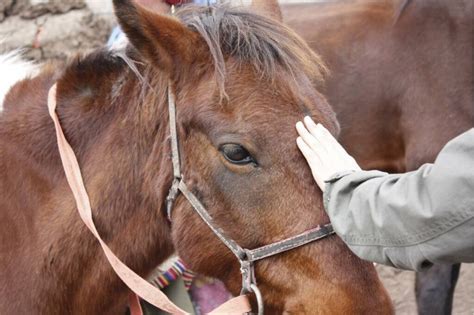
[[188, 278], [205, 293], [176, 270]]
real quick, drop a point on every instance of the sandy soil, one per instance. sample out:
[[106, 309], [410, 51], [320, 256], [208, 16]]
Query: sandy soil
[[59, 29]]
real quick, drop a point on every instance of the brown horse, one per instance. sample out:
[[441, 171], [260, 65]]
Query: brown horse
[[401, 84], [241, 82]]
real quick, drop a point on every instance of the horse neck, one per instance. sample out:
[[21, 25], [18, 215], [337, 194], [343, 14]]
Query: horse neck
[[117, 127]]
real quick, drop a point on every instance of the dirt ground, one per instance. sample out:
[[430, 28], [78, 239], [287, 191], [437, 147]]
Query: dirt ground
[[400, 285], [61, 28]]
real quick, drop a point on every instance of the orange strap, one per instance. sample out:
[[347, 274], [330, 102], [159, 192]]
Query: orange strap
[[137, 284]]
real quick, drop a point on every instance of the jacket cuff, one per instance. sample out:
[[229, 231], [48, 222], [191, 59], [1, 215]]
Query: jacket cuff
[[338, 176], [356, 177], [334, 178]]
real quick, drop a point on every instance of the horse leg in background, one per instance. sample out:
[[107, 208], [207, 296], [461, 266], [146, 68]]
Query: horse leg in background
[[434, 289]]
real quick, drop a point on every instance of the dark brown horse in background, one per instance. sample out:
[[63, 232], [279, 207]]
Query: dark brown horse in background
[[239, 78], [401, 84]]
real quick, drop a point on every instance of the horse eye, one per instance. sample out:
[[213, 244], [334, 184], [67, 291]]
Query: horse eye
[[237, 154]]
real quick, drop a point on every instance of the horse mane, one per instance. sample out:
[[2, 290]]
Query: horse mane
[[267, 45]]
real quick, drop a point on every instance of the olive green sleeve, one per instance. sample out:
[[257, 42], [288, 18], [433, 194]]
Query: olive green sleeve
[[410, 220]]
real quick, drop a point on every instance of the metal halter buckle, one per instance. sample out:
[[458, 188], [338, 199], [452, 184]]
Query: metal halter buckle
[[172, 194], [249, 282], [248, 276]]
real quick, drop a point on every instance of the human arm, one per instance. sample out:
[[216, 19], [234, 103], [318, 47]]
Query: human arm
[[406, 220]]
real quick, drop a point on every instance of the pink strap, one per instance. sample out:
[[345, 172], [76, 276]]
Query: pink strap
[[137, 284], [134, 304], [73, 174], [235, 306]]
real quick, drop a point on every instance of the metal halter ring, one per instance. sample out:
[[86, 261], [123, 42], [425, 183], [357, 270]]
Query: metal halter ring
[[259, 298], [249, 282]]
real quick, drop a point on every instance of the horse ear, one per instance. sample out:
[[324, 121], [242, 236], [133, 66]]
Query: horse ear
[[161, 39], [269, 8]]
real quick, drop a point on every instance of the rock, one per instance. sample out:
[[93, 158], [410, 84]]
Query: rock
[[52, 6], [56, 36], [5, 6], [17, 7]]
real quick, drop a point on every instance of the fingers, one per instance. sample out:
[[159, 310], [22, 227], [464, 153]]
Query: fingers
[[311, 125], [310, 139], [324, 136], [321, 134], [324, 153], [304, 148], [314, 162], [308, 153], [331, 140]]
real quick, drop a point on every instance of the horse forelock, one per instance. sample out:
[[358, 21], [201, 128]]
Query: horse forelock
[[233, 32], [248, 38]]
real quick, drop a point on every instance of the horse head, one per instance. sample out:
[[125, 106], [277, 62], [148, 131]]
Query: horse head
[[242, 81]]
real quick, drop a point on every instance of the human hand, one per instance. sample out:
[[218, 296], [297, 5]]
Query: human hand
[[323, 153]]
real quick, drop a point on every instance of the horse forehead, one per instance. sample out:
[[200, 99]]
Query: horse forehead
[[276, 107], [252, 100]]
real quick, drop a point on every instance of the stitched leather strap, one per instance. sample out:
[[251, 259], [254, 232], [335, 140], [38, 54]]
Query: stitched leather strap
[[173, 133], [238, 251], [290, 243]]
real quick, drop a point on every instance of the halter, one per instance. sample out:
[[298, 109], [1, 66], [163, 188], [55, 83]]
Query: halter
[[246, 257], [140, 286]]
